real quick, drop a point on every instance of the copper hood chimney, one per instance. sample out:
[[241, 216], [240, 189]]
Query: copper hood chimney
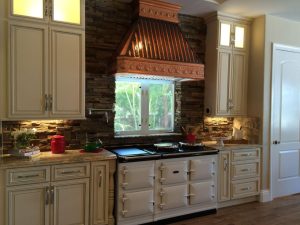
[[155, 45]]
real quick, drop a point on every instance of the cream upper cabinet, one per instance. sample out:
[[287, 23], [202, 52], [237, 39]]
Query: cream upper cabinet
[[226, 65], [28, 69], [53, 11], [46, 60]]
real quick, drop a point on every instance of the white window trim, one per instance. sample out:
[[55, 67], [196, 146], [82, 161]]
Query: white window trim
[[145, 131]]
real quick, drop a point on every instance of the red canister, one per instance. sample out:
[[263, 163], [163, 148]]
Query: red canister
[[58, 144]]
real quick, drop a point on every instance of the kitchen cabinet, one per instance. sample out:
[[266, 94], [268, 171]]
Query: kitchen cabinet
[[239, 174], [72, 188], [46, 60], [34, 198], [226, 60]]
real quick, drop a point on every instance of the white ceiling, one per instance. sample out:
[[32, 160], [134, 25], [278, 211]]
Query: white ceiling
[[289, 9]]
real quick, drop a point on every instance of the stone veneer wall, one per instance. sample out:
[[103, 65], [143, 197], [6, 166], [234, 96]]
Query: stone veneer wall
[[106, 24]]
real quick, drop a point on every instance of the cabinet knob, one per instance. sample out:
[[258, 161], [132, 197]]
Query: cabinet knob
[[276, 142]]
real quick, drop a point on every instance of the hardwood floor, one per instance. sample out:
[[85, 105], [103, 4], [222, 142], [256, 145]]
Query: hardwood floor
[[282, 211]]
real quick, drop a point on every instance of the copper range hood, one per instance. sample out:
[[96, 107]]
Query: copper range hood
[[155, 46]]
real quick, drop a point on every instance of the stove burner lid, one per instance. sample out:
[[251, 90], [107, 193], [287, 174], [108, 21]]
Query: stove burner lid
[[130, 152]]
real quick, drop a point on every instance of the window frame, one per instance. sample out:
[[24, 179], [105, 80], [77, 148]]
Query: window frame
[[145, 131]]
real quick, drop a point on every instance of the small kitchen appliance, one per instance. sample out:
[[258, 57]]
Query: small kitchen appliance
[[58, 144]]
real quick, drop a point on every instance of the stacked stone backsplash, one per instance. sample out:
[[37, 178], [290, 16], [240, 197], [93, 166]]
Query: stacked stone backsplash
[[106, 24]]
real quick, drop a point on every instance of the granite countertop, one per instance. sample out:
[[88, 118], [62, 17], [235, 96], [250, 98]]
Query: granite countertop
[[47, 158], [231, 146]]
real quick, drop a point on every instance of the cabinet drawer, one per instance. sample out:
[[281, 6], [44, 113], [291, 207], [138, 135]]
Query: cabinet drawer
[[245, 154], [28, 175], [245, 188], [70, 171], [247, 170]]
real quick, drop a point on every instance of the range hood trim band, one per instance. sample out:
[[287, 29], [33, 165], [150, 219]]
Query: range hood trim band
[[153, 67]]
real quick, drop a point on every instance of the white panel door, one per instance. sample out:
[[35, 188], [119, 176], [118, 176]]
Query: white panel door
[[28, 56], [27, 205], [70, 202], [67, 73], [285, 132]]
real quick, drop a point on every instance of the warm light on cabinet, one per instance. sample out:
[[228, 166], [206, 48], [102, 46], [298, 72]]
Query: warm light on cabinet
[[30, 8], [239, 35], [225, 34], [66, 11], [230, 34]]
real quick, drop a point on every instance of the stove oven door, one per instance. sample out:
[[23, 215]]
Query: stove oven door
[[203, 192], [202, 168], [173, 171], [136, 175], [138, 203], [173, 197]]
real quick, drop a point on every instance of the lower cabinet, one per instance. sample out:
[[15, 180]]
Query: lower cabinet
[[239, 175], [28, 205], [64, 194]]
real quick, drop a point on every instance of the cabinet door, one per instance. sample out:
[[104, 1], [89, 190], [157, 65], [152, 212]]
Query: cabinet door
[[99, 193], [27, 205], [61, 12], [67, 73], [224, 176], [35, 9], [70, 202], [28, 56], [223, 81], [238, 84]]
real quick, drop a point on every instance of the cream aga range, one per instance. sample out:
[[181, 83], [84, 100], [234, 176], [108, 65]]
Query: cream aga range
[[154, 185]]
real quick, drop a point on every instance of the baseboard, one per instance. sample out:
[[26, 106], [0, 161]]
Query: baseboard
[[265, 196], [238, 201]]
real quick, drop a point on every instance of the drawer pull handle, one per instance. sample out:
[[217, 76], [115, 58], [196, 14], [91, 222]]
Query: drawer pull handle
[[47, 196], [246, 189], [28, 176], [248, 154], [245, 170], [70, 172], [100, 179]]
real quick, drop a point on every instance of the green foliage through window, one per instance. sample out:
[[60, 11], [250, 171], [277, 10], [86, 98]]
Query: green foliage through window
[[144, 106]]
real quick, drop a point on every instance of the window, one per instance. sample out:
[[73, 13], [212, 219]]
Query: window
[[144, 106]]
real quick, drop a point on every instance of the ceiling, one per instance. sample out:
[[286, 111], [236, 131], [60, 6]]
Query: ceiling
[[289, 9]]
